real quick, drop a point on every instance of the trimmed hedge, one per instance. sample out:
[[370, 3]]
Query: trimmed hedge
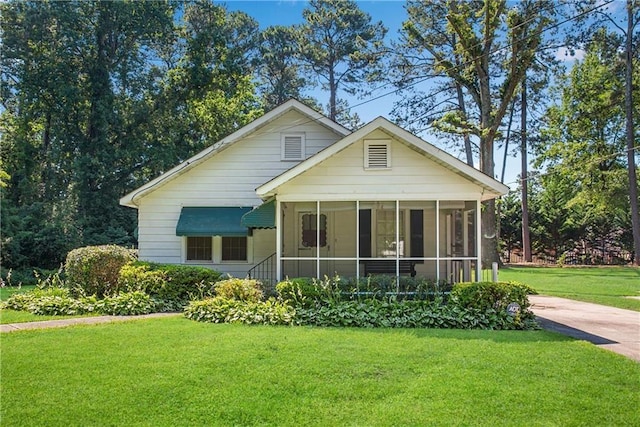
[[173, 285], [94, 270]]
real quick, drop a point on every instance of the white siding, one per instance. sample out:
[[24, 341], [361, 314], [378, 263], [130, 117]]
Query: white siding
[[229, 178], [410, 177]]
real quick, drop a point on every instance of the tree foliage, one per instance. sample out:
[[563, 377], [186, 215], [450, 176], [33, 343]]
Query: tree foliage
[[99, 97], [585, 145], [341, 47], [482, 48]]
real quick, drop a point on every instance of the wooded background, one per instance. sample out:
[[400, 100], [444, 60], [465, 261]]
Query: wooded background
[[98, 97]]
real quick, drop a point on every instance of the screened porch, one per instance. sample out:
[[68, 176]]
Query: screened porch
[[437, 239]]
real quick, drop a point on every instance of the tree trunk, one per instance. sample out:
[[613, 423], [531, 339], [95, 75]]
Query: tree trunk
[[526, 241], [467, 140], [332, 95], [633, 180]]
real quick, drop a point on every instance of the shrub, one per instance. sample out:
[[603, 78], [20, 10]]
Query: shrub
[[247, 290], [127, 304], [172, 285], [490, 295], [94, 270], [300, 292], [139, 276], [496, 296], [225, 310]]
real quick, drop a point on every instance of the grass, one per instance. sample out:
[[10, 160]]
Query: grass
[[173, 371], [601, 285]]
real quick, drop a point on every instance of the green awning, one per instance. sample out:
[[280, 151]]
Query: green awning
[[212, 221], [264, 216]]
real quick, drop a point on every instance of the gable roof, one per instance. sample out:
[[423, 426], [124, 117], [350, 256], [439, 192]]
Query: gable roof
[[491, 186], [245, 131]]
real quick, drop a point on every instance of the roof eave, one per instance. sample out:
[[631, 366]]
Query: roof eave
[[131, 198]]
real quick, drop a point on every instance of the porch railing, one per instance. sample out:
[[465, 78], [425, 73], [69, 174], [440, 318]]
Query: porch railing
[[265, 272]]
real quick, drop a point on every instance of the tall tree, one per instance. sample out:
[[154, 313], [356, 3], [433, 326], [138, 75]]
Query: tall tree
[[633, 18], [278, 66], [101, 96], [625, 22], [341, 46], [494, 46], [585, 139]]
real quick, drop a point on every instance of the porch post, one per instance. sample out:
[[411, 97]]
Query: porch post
[[278, 241], [398, 243], [358, 241], [478, 241], [438, 240], [318, 239]]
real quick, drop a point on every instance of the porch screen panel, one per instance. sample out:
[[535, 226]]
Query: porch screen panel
[[341, 225], [470, 223], [364, 233], [416, 224], [420, 228], [385, 231]]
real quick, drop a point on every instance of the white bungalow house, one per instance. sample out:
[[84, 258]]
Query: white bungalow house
[[295, 194]]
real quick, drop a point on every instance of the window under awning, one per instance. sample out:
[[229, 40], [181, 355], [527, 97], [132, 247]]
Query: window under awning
[[264, 216], [212, 221]]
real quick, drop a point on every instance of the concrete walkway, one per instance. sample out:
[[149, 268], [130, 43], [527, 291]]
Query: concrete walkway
[[12, 327], [612, 328]]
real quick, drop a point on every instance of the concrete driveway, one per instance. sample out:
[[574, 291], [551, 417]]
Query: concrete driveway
[[612, 328]]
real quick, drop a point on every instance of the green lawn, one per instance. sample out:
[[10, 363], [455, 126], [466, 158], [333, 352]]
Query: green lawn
[[602, 285], [173, 371]]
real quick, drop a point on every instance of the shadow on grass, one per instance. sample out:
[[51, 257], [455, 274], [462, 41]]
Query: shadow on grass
[[497, 336]]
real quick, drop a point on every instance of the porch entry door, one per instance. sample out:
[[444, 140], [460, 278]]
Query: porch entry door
[[307, 238]]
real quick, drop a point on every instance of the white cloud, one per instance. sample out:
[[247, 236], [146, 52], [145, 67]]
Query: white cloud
[[567, 54]]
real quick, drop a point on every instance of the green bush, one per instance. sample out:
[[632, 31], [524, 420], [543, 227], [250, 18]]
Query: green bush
[[127, 304], [247, 290], [300, 292], [490, 295], [496, 296], [225, 310], [172, 285], [94, 270]]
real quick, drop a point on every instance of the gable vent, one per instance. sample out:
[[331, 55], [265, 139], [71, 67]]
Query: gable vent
[[377, 155], [293, 147]]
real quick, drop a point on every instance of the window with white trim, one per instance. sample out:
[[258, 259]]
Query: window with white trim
[[292, 146], [234, 249], [377, 154], [199, 249]]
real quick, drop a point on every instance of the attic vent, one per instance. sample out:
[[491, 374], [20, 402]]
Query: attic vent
[[377, 155], [292, 146]]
